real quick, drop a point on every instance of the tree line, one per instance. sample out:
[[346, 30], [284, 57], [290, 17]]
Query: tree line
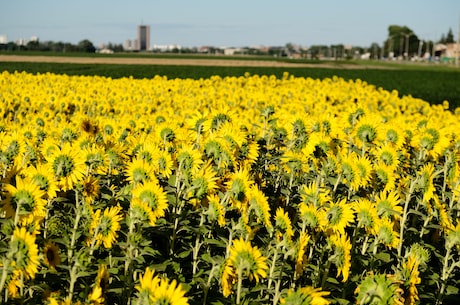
[[402, 42]]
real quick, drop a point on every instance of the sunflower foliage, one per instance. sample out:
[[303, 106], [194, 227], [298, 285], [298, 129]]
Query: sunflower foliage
[[236, 190]]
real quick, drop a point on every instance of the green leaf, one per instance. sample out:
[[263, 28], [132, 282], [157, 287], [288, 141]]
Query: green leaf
[[452, 290], [383, 256]]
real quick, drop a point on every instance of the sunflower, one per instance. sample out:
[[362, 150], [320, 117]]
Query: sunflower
[[215, 210], [363, 171], [366, 214], [96, 159], [453, 236], [312, 217], [376, 289], [51, 255], [248, 153], [348, 171], [314, 194], [386, 234], [393, 137], [426, 176], [147, 283], [238, 185], [91, 188], [67, 164], [152, 198], [170, 293], [283, 225], [24, 252], [188, 160], [387, 155], [410, 276], [228, 279], [155, 290], [387, 204], [140, 171], [342, 254], [100, 288], [339, 215], [104, 228], [258, 203], [25, 198], [367, 130], [305, 296], [203, 183], [163, 163], [384, 177], [247, 260], [301, 258], [41, 176]]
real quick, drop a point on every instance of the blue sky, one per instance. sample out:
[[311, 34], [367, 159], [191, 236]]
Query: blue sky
[[227, 23]]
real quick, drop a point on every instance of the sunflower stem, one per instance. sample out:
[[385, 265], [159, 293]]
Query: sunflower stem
[[444, 276], [272, 269], [240, 282], [339, 177], [197, 247], [73, 270], [404, 216], [325, 274]]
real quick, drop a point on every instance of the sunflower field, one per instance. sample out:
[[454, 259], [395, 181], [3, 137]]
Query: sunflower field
[[225, 190]]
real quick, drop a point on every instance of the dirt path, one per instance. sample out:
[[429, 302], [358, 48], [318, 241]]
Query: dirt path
[[172, 61]]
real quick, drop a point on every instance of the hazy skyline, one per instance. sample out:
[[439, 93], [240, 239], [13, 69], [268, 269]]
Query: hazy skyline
[[227, 23]]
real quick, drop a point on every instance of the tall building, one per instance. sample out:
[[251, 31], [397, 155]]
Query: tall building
[[143, 37]]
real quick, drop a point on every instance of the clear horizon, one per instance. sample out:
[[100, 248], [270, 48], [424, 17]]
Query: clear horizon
[[234, 24]]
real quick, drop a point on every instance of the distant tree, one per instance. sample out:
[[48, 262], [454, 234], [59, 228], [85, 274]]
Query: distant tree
[[86, 46], [450, 37], [33, 45], [401, 40]]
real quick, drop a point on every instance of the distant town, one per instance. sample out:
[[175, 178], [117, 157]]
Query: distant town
[[402, 44]]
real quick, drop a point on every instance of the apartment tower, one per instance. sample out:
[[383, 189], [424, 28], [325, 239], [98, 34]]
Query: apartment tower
[[143, 37]]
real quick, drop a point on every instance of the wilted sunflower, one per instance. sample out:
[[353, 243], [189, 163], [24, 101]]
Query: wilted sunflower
[[247, 260], [67, 165], [105, 227], [51, 255]]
